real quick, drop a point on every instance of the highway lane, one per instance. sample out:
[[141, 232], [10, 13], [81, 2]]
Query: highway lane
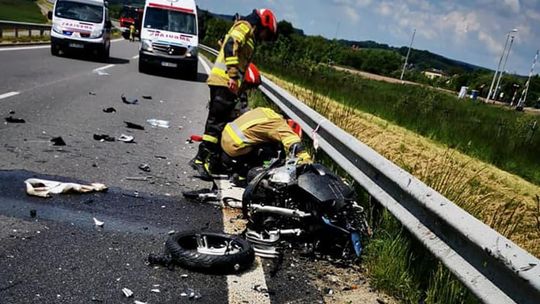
[[59, 256]]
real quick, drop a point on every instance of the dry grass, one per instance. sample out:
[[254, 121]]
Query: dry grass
[[504, 201]]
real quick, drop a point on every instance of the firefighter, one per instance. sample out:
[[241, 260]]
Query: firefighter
[[258, 127], [132, 32], [226, 79]]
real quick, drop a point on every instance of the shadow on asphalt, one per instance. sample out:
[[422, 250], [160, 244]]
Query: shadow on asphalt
[[201, 77], [92, 58]]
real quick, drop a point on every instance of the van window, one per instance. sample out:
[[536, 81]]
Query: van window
[[168, 20], [79, 11]]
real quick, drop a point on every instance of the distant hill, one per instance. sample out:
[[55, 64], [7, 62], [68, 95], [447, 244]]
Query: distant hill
[[421, 59]]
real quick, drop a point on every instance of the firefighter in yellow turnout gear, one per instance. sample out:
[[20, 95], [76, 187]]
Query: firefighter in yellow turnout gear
[[260, 126], [225, 81]]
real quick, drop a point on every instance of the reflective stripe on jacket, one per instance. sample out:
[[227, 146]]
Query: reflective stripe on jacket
[[234, 56], [258, 126]]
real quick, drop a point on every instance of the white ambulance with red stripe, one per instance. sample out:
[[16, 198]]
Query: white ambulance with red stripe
[[81, 25], [169, 36]]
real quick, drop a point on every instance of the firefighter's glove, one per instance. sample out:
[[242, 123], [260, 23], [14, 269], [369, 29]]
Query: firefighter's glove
[[304, 158]]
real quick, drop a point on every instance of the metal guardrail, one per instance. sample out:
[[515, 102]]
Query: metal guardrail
[[23, 26], [492, 267]]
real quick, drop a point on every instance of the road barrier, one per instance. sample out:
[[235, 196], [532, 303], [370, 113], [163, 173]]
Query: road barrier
[[491, 266], [17, 27]]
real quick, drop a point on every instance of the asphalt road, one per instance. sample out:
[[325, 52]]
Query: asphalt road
[[60, 256]]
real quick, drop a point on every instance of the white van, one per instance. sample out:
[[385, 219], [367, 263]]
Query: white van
[[169, 36], [81, 25]]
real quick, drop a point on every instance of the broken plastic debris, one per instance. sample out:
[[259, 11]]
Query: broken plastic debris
[[183, 276], [103, 137], [92, 93], [58, 141], [109, 110], [147, 97], [133, 125], [101, 73], [129, 101], [144, 167], [44, 188], [158, 123], [125, 138], [98, 222], [139, 302], [155, 290], [128, 293], [33, 213], [12, 119]]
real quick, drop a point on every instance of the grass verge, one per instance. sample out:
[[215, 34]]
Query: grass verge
[[507, 139], [21, 10]]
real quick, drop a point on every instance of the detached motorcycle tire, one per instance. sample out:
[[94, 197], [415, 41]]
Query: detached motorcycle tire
[[210, 252]]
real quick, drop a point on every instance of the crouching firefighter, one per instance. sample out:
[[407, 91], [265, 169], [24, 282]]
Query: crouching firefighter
[[225, 81], [256, 128]]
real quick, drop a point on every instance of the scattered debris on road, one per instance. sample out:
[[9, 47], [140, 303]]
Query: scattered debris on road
[[131, 125], [144, 167], [155, 290], [58, 141], [147, 97], [33, 213], [158, 123], [139, 302], [103, 137], [44, 188], [160, 157], [98, 223], [12, 119], [92, 93], [126, 138], [129, 101], [109, 110], [138, 178], [196, 138], [127, 292]]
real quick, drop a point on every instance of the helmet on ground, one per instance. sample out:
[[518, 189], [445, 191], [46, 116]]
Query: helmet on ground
[[253, 76], [268, 20]]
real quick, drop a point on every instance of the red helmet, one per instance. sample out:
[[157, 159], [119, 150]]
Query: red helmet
[[268, 20], [253, 76]]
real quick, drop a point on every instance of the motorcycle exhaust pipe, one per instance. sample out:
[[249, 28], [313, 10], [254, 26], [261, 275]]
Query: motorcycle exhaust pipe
[[279, 210]]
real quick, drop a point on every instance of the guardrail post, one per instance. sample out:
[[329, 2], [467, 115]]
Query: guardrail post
[[1, 33], [16, 33], [41, 32], [29, 32]]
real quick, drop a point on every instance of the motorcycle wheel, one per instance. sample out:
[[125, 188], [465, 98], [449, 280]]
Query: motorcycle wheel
[[210, 251]]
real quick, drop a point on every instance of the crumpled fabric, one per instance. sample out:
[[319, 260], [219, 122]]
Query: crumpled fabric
[[44, 188]]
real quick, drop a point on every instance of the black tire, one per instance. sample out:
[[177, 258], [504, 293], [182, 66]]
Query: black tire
[[55, 51], [183, 249], [143, 67]]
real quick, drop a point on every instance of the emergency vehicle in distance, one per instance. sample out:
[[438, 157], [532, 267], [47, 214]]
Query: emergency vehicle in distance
[[169, 37], [82, 25], [130, 15]]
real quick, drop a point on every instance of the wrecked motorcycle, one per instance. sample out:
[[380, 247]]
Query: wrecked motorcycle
[[307, 203]]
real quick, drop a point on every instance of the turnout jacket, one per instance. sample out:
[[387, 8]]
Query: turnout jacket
[[234, 56], [258, 126]]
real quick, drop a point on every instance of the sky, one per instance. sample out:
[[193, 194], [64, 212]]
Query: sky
[[474, 31]]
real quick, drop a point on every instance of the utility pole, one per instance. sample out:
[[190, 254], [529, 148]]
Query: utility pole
[[407, 57], [523, 97], [499, 65], [497, 87]]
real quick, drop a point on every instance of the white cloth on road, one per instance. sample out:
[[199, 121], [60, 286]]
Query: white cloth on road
[[44, 188]]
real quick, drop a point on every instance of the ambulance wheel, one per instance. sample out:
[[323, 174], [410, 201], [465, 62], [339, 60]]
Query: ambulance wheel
[[55, 50]]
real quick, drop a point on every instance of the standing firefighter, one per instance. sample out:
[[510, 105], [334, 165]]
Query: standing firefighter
[[132, 32], [226, 79]]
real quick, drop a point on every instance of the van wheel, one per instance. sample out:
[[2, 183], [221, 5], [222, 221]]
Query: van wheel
[[104, 54], [55, 51], [143, 67]]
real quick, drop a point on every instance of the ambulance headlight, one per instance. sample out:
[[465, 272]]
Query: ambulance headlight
[[146, 45], [96, 34], [192, 52], [57, 28]]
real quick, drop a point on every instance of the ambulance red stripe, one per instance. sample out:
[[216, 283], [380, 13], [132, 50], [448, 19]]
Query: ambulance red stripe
[[170, 7]]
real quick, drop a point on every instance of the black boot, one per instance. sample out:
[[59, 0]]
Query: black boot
[[200, 162]]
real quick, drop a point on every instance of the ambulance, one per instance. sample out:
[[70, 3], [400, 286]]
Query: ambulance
[[169, 38], [81, 25]]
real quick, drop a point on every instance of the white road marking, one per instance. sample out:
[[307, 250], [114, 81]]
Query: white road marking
[[21, 48], [24, 48], [9, 94], [100, 71], [135, 57]]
